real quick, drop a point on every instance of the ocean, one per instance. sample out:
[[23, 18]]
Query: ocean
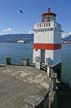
[[17, 52], [66, 62]]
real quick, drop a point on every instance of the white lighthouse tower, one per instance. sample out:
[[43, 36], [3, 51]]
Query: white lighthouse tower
[[47, 42]]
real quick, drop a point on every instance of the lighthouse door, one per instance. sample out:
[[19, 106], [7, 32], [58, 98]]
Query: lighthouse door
[[8, 61], [43, 56]]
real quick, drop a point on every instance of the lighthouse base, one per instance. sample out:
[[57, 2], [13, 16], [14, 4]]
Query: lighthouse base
[[57, 69]]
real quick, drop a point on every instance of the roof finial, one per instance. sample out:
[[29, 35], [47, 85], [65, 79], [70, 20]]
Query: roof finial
[[49, 10]]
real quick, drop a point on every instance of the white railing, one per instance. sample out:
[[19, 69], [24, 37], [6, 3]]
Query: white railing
[[44, 25]]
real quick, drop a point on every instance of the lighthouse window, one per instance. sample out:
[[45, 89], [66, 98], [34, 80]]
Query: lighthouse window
[[37, 25], [40, 25], [49, 23], [51, 29], [36, 49], [46, 24]]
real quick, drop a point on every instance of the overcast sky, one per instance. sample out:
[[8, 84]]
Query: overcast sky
[[12, 21]]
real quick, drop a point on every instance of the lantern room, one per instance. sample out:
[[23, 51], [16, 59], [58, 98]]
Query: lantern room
[[49, 16]]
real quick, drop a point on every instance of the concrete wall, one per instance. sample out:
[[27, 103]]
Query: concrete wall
[[36, 53]]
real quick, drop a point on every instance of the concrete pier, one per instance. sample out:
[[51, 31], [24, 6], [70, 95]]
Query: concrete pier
[[21, 85]]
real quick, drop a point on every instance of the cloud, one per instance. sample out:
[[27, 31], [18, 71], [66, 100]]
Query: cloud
[[30, 32], [7, 30], [69, 33]]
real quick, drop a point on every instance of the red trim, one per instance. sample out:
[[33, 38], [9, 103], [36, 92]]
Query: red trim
[[49, 13], [45, 14], [47, 46]]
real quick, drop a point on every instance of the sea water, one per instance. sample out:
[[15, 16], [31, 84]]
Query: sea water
[[66, 62], [17, 52]]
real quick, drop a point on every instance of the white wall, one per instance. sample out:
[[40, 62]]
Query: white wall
[[35, 54], [49, 54], [44, 37], [49, 37], [57, 56], [57, 37]]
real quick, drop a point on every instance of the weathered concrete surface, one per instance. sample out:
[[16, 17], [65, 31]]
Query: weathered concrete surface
[[19, 82]]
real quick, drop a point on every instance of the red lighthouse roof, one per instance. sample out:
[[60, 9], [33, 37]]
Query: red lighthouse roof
[[48, 16], [49, 13]]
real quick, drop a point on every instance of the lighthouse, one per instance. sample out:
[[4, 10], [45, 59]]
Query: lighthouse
[[47, 42]]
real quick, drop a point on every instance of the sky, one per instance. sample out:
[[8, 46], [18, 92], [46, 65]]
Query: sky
[[12, 21]]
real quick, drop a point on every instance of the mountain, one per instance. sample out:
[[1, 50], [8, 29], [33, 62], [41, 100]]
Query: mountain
[[13, 38], [68, 38]]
